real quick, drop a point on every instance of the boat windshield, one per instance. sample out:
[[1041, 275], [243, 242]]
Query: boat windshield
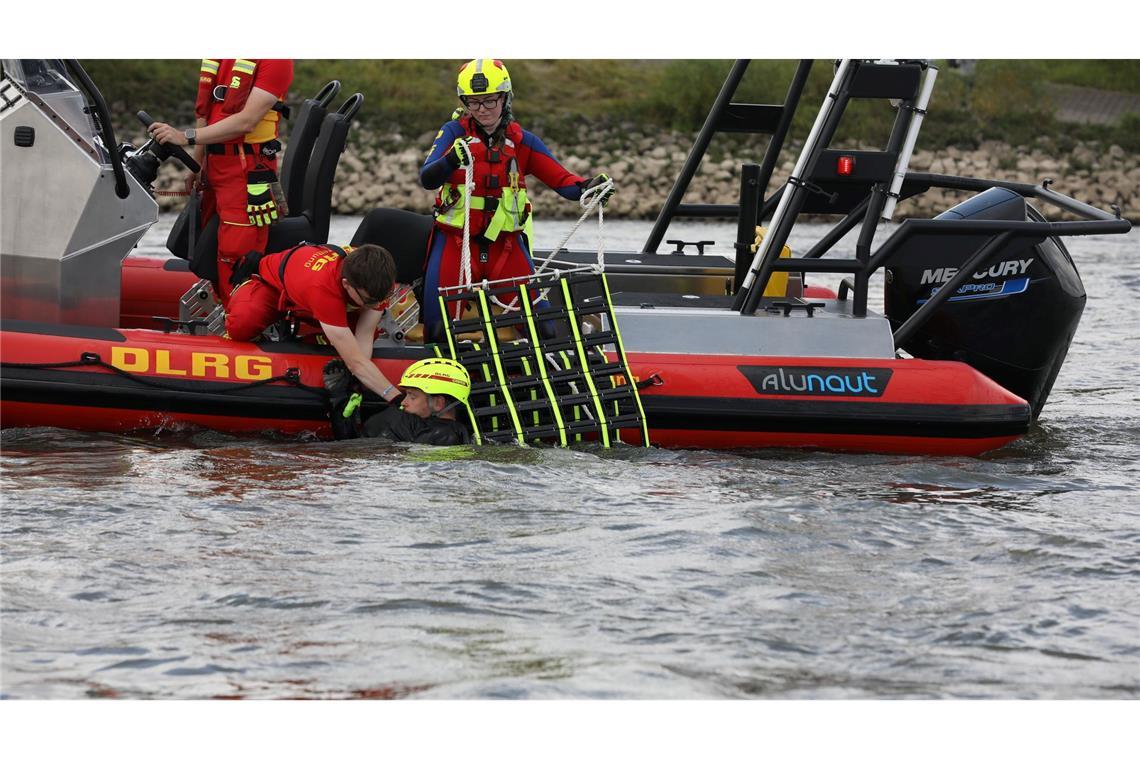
[[48, 79]]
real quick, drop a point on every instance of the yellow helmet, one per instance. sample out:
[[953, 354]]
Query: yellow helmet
[[483, 76], [444, 377]]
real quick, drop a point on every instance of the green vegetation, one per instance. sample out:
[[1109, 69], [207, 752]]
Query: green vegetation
[[999, 100]]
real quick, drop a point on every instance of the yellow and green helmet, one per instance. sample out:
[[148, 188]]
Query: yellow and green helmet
[[483, 76], [438, 377]]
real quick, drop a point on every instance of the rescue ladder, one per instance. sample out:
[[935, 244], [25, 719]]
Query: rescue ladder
[[563, 379]]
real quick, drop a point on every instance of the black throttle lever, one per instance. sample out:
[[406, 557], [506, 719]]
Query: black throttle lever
[[167, 150]]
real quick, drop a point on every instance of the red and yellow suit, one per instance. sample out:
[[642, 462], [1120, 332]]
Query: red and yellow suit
[[223, 89]]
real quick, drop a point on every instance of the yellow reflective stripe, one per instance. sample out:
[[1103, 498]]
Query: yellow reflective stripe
[[243, 66], [478, 202], [580, 350], [620, 351], [493, 347], [209, 66], [539, 357], [508, 214]]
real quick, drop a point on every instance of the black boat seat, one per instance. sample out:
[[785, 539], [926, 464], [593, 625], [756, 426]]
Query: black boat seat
[[302, 137], [404, 233], [316, 201]]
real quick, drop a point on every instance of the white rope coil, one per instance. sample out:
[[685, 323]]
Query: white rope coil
[[468, 186], [590, 199]]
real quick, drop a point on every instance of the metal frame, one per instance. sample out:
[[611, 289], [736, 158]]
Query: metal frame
[[860, 79], [726, 116], [852, 79]]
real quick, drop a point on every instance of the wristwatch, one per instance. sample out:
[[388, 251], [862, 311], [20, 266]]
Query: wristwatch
[[190, 135]]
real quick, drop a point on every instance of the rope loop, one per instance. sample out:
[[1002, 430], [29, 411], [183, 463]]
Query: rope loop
[[590, 200]]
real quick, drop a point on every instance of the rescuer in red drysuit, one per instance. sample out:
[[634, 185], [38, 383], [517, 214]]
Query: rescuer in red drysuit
[[239, 105]]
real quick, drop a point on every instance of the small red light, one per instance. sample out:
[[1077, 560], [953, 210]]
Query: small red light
[[845, 166]]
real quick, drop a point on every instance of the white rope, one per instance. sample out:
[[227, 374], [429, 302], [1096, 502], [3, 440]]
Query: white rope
[[589, 200], [468, 186]]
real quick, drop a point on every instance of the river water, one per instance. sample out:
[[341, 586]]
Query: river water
[[197, 565]]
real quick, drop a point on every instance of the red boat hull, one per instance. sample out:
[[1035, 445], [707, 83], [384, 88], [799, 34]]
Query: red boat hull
[[151, 287], [104, 379]]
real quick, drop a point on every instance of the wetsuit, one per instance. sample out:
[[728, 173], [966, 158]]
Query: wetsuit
[[398, 425], [231, 166], [499, 219], [392, 423]]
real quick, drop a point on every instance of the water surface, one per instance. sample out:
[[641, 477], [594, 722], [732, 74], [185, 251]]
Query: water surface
[[197, 565]]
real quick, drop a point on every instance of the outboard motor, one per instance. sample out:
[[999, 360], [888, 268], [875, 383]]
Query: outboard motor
[[1013, 321]]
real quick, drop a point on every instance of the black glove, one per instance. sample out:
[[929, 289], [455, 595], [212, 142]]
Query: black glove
[[245, 268], [344, 399], [398, 400], [338, 381], [601, 179]]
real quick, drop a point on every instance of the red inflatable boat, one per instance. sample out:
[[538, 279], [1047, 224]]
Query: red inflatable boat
[[981, 302]]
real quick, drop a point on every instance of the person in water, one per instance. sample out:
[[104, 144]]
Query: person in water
[[485, 137], [433, 390], [239, 107], [342, 291]]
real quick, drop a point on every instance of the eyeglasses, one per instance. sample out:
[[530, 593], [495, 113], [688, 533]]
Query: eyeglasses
[[365, 302], [486, 104]]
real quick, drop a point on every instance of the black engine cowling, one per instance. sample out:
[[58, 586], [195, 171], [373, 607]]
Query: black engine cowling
[[1013, 321]]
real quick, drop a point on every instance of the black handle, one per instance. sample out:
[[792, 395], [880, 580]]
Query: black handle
[[327, 93], [170, 148], [349, 107], [681, 244], [122, 189]]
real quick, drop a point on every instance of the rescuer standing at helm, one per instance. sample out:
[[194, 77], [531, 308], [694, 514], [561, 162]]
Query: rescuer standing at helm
[[434, 389], [501, 154], [239, 106]]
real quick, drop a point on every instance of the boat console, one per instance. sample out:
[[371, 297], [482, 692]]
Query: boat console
[[61, 246]]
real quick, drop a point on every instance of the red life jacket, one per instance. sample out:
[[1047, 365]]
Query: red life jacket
[[495, 170], [235, 75], [232, 79]]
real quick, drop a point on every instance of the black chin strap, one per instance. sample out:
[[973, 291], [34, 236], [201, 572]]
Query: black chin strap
[[446, 408]]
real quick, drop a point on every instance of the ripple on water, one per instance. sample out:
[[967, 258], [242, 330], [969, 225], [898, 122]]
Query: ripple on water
[[194, 564]]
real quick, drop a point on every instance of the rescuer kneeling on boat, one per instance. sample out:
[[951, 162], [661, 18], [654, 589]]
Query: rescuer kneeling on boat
[[239, 107], [343, 290], [501, 154], [433, 390]]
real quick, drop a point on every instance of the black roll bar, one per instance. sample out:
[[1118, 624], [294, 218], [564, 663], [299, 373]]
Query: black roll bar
[[982, 257], [750, 212], [696, 154], [106, 130]]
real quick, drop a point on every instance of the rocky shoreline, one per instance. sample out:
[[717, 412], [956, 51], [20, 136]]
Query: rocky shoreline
[[382, 170]]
